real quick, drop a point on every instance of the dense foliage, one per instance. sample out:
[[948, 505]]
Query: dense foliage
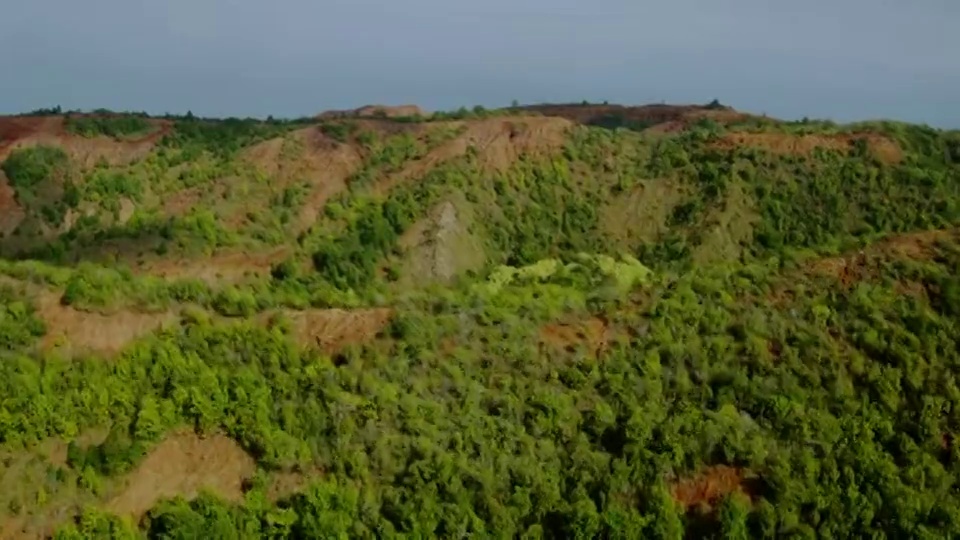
[[19, 325], [111, 125], [223, 137], [662, 343], [28, 167]]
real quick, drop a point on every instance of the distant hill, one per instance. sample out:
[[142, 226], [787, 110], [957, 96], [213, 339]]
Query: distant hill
[[557, 320]]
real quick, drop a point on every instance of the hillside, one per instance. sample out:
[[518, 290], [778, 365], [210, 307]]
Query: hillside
[[544, 322]]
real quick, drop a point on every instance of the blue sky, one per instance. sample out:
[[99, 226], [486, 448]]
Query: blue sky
[[847, 59]]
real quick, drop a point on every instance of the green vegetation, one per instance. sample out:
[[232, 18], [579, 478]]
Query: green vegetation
[[671, 336], [340, 131], [105, 183], [19, 325], [41, 177], [387, 156], [223, 137], [45, 111], [30, 166], [112, 125]]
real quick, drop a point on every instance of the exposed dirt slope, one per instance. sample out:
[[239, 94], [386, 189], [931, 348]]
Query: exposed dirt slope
[[309, 155], [23, 131], [225, 267], [73, 331], [441, 246], [711, 485], [801, 145], [333, 329], [867, 263], [184, 464], [375, 111], [594, 333], [853, 267], [662, 118], [498, 143]]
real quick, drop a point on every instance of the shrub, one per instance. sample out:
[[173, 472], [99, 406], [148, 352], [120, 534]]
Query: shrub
[[339, 131], [115, 126], [19, 325], [28, 167]]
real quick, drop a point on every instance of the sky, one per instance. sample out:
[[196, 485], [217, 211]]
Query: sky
[[846, 60]]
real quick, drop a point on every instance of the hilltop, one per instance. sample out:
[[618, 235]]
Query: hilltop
[[565, 320]]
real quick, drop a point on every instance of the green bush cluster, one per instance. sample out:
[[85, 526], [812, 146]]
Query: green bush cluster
[[339, 131], [540, 212], [112, 125], [223, 137], [19, 324], [27, 167]]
